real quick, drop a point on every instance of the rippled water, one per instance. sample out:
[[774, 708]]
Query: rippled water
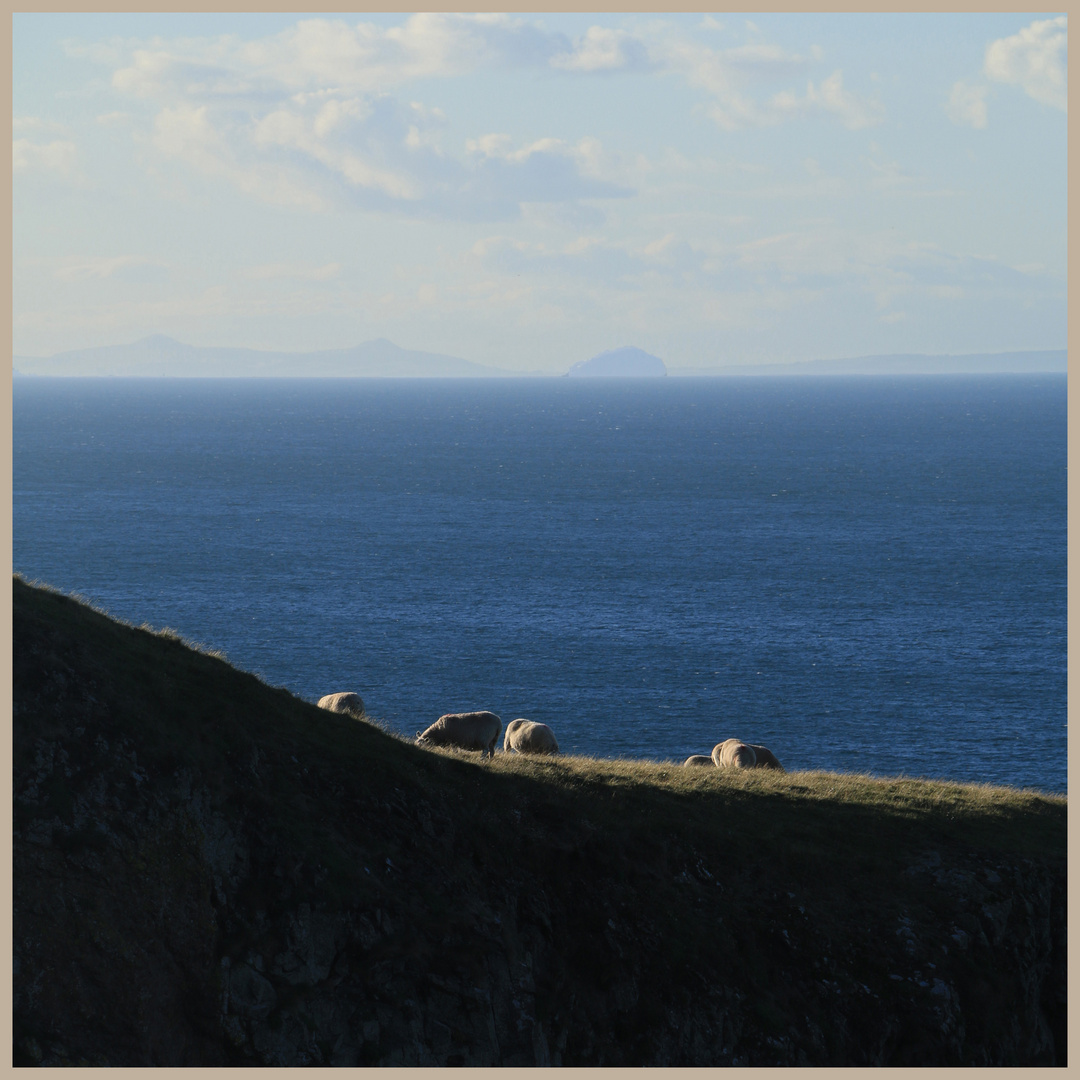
[[863, 574]]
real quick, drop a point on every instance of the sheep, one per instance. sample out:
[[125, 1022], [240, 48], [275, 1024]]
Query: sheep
[[347, 703], [766, 759], [529, 737], [698, 759], [467, 731], [733, 754]]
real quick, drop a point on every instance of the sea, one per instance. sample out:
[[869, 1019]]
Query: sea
[[865, 574]]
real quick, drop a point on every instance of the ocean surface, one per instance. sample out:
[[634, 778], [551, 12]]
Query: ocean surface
[[864, 574]]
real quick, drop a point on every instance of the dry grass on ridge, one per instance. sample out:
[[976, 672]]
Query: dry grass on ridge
[[826, 815], [567, 770], [874, 816]]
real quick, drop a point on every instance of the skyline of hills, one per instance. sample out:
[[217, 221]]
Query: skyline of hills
[[162, 356], [159, 355]]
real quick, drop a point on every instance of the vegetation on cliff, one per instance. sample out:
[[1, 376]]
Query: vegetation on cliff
[[209, 870]]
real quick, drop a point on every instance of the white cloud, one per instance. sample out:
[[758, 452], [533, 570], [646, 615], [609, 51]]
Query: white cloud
[[304, 118], [55, 157], [365, 57], [332, 57], [854, 112], [727, 74], [1036, 59], [109, 53], [292, 130], [293, 271], [190, 134], [657, 247], [307, 117], [967, 105], [762, 59], [35, 123], [88, 269], [720, 72], [723, 73], [889, 176], [734, 110], [673, 276], [603, 49], [498, 146]]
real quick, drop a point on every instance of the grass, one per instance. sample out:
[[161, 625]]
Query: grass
[[997, 816], [189, 704], [166, 632]]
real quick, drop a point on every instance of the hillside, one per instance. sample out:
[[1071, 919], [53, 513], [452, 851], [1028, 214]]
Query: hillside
[[208, 870]]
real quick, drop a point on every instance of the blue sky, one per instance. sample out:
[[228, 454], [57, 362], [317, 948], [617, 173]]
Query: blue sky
[[528, 190]]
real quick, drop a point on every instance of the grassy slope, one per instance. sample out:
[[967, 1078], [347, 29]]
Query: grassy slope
[[189, 705], [634, 832]]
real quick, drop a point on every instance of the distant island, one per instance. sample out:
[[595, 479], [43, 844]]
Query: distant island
[[627, 361]]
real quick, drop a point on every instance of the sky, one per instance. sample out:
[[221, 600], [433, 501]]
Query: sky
[[526, 191]]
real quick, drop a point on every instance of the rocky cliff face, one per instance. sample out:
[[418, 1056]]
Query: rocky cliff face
[[270, 900]]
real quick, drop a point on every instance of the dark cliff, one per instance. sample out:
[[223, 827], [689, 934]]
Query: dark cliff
[[209, 871]]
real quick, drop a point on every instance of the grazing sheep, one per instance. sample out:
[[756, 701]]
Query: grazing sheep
[[347, 703], [698, 759], [529, 737], [766, 759], [467, 731], [733, 754]]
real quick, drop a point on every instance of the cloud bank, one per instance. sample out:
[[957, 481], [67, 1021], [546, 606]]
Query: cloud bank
[[315, 117], [1036, 59]]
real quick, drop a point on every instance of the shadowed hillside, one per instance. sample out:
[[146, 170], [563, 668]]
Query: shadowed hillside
[[208, 870]]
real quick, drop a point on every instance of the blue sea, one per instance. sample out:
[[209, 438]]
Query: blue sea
[[864, 574]]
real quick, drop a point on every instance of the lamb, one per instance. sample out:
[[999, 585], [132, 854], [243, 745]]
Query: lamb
[[529, 737], [347, 703], [698, 759], [466, 731]]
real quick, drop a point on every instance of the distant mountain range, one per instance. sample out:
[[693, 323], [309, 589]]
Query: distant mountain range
[[158, 355], [1046, 360]]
